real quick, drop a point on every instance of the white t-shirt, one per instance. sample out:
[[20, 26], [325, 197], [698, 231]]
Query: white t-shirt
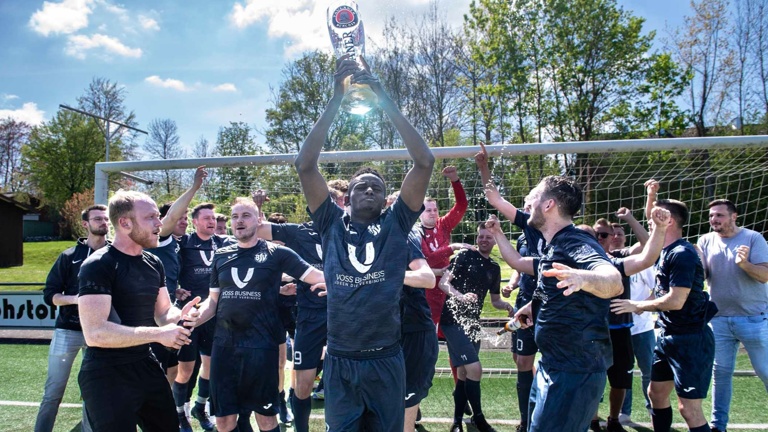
[[641, 286]]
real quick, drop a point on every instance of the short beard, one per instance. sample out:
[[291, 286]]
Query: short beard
[[143, 239], [245, 235], [98, 231]]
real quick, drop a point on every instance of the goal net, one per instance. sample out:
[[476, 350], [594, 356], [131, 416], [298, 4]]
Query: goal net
[[611, 173]]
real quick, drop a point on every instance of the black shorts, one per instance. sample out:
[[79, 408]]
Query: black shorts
[[244, 379], [461, 349], [288, 318], [687, 359], [420, 354], [523, 341], [120, 397], [620, 374], [311, 336], [364, 394], [166, 357], [202, 342]]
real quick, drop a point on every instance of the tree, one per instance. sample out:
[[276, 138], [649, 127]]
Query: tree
[[234, 140], [701, 45], [593, 67], [759, 50], [107, 99], [163, 143], [60, 156], [438, 103], [300, 100], [13, 135], [656, 109], [71, 215]]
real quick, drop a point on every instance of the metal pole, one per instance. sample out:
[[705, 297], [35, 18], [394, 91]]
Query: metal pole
[[449, 152], [101, 187], [106, 140]]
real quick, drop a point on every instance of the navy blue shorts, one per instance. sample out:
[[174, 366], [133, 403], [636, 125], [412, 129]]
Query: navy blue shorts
[[201, 342], [288, 318], [311, 336], [565, 402], [687, 359], [620, 374], [420, 354], [120, 397], [244, 379], [461, 349], [523, 341], [364, 394]]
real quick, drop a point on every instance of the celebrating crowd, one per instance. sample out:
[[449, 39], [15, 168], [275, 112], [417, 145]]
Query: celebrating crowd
[[366, 289]]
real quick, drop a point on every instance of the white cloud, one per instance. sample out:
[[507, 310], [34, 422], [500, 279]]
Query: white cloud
[[226, 87], [7, 97], [303, 22], [27, 113], [66, 17], [119, 11], [148, 23], [78, 45], [167, 83]]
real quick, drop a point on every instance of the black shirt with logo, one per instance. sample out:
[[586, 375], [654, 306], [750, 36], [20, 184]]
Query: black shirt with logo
[[364, 272], [248, 281]]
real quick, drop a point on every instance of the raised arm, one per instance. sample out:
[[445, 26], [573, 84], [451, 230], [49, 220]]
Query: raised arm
[[180, 206], [264, 227], [489, 188], [652, 189], [508, 253], [454, 215], [312, 181], [637, 228], [416, 182], [650, 253]]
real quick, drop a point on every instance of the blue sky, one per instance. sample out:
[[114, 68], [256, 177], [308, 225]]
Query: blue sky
[[200, 63]]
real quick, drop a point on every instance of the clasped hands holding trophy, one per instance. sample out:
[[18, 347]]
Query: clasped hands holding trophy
[[360, 89]]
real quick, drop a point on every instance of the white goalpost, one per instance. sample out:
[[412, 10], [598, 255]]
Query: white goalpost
[[611, 173]]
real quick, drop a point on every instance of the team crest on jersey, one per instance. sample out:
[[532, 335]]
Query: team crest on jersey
[[374, 229], [260, 258], [370, 255], [236, 277], [433, 244], [583, 251], [207, 261]]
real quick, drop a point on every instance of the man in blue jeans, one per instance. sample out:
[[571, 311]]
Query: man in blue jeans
[[736, 264], [61, 290], [643, 339]]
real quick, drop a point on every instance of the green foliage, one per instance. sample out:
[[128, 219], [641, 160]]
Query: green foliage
[[300, 100], [60, 156], [225, 184], [38, 260]]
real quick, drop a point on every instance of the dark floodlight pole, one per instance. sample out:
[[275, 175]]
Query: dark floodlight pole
[[107, 135]]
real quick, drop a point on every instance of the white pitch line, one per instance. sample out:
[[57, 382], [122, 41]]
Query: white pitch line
[[440, 420]]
